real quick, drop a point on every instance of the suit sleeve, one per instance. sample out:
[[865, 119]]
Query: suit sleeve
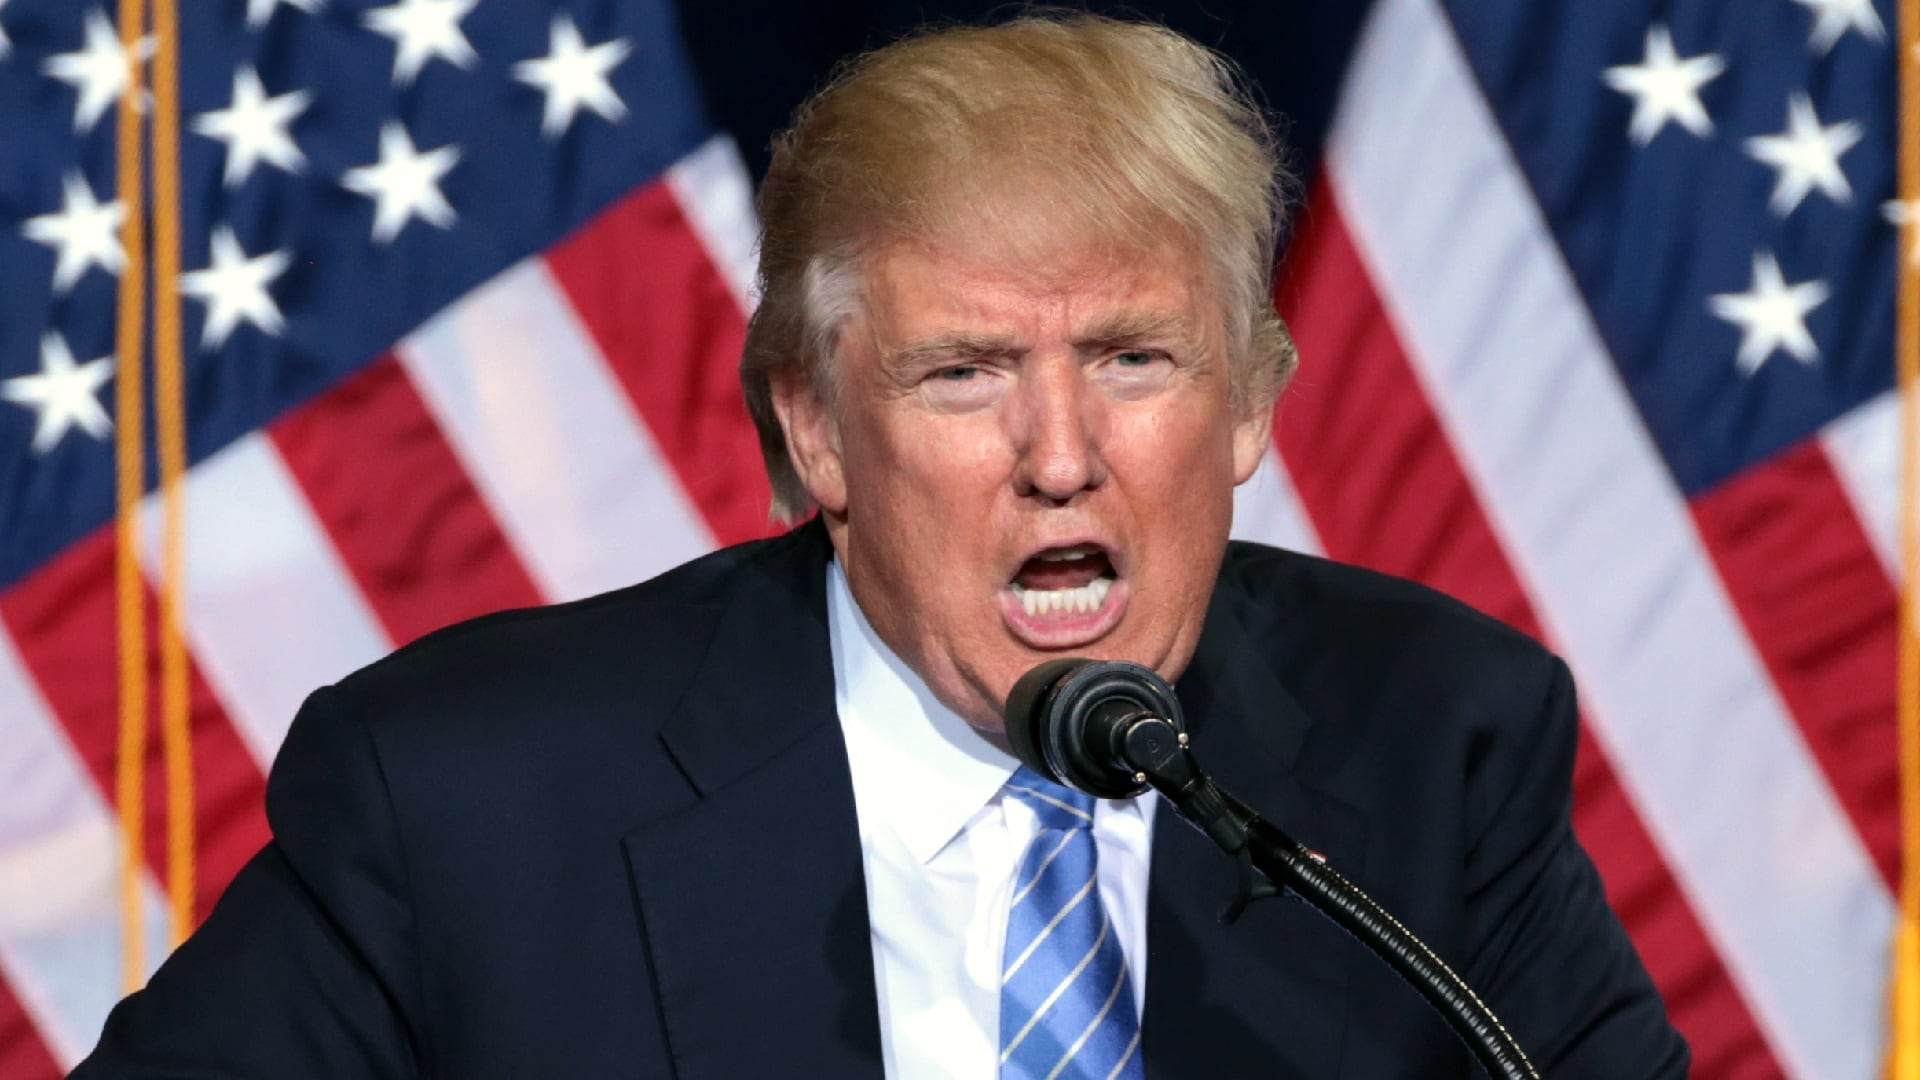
[[1548, 953], [307, 966]]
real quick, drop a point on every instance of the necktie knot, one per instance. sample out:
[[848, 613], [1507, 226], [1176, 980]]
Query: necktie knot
[[1056, 805]]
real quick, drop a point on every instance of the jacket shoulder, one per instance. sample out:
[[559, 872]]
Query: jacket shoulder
[[633, 645], [1391, 670], [1347, 607]]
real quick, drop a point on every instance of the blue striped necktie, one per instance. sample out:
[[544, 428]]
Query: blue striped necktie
[[1066, 1003]]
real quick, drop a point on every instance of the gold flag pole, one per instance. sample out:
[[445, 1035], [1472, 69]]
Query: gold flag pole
[[1903, 1045], [129, 474], [171, 436]]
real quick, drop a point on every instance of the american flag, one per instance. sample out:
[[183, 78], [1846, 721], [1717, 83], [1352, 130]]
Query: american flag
[[1595, 300]]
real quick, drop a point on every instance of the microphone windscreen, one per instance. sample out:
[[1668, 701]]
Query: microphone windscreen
[[1067, 720], [1026, 703]]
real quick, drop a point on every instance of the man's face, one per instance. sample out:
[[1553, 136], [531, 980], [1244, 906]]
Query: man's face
[[1022, 465]]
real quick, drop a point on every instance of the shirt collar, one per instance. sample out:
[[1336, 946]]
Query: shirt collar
[[917, 766]]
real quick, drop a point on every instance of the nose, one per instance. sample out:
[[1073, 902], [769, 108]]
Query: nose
[[1059, 441]]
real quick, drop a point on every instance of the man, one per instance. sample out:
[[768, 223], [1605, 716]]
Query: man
[[756, 817]]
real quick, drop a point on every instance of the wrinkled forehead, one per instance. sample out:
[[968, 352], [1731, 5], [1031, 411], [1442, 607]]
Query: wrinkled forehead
[[1017, 287], [1007, 291], [1021, 248], [1038, 212]]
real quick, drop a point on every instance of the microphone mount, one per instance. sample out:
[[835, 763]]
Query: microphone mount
[[1114, 729]]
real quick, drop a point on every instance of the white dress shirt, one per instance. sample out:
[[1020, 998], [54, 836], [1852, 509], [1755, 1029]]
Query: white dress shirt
[[940, 847]]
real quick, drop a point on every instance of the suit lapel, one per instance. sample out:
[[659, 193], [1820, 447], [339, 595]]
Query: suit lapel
[[1261, 997], [752, 899]]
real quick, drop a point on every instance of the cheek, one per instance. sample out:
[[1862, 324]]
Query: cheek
[[944, 473], [923, 492], [1181, 496], [1187, 458]]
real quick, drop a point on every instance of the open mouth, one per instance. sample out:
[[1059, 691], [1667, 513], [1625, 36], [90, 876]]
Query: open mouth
[[1064, 596], [1072, 581]]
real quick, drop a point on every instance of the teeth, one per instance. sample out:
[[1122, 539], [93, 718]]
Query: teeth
[[1084, 600], [1066, 554]]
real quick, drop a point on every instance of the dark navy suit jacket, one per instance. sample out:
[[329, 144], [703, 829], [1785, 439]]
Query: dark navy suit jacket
[[617, 838]]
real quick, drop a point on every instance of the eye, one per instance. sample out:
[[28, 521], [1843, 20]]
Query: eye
[[961, 388], [1134, 373]]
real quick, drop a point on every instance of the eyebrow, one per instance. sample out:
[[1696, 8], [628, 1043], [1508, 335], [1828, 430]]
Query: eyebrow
[[1126, 328], [955, 346]]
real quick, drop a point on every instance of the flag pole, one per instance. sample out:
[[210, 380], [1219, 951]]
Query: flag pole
[[1903, 1053], [171, 441], [129, 473]]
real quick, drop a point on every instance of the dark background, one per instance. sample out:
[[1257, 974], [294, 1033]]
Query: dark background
[[758, 59]]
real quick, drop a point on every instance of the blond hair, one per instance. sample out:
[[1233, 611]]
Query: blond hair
[[1126, 128]]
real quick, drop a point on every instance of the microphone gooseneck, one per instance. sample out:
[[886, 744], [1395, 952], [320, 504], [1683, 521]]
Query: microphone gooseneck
[[1113, 729]]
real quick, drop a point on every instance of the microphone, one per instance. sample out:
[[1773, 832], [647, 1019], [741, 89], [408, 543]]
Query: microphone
[[1082, 722], [1113, 729]]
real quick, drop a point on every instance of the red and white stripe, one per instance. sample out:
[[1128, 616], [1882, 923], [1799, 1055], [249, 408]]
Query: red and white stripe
[[519, 458], [59, 889], [1864, 446], [1734, 652], [1378, 475]]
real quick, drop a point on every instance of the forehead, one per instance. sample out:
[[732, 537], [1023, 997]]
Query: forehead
[[1024, 287]]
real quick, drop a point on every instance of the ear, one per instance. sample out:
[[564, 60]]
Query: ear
[[1252, 434], [813, 445]]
